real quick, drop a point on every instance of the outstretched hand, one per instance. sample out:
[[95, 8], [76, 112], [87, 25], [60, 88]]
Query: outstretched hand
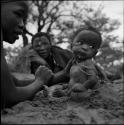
[[69, 65], [43, 74]]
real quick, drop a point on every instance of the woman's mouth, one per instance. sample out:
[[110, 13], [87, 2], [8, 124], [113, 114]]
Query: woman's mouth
[[43, 53]]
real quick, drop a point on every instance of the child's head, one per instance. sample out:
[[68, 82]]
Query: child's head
[[41, 43], [13, 14], [86, 43]]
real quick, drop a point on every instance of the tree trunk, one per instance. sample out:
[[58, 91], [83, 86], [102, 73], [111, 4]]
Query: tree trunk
[[25, 39]]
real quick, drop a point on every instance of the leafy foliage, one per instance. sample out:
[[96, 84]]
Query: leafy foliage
[[62, 18]]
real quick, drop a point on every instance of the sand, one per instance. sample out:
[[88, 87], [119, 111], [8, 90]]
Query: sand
[[102, 106]]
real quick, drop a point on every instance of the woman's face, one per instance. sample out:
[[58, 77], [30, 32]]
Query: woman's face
[[13, 16], [42, 46], [81, 47]]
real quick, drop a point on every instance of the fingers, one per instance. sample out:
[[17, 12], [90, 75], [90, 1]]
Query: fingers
[[43, 68], [43, 73], [45, 90]]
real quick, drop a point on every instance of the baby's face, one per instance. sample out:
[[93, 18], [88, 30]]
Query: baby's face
[[82, 51], [82, 47]]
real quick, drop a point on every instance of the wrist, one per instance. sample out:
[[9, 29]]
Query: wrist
[[50, 80], [65, 73], [39, 81]]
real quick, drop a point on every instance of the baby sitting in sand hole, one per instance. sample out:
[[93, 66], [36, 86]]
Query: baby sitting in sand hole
[[84, 72]]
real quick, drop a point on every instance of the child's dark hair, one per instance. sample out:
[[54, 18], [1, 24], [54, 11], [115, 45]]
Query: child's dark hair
[[96, 44], [39, 34]]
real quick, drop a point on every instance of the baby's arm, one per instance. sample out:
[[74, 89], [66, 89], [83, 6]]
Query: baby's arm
[[92, 79]]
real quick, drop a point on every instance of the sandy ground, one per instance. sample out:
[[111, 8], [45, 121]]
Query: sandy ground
[[101, 106]]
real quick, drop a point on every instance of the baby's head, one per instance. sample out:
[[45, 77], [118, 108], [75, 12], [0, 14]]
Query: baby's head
[[86, 43]]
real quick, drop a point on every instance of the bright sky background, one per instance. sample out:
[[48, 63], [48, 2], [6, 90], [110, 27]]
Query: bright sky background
[[113, 9]]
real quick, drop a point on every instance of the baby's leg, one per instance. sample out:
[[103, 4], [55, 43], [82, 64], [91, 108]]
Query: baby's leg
[[77, 78], [76, 75]]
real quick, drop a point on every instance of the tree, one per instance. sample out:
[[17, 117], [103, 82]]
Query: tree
[[63, 18], [105, 25], [46, 14], [56, 15]]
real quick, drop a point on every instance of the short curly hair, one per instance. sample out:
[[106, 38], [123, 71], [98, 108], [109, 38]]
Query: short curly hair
[[96, 39], [39, 34]]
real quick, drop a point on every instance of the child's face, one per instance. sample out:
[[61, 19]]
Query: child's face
[[13, 16], [42, 46], [82, 48]]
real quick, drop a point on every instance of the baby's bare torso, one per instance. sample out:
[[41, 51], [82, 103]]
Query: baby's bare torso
[[80, 72]]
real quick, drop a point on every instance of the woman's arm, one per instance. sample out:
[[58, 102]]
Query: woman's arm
[[62, 76], [22, 82], [59, 77], [10, 94]]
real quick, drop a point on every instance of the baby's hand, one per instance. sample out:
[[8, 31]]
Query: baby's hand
[[43, 74]]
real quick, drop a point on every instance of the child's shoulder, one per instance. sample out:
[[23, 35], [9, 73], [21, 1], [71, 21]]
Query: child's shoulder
[[88, 62], [87, 65]]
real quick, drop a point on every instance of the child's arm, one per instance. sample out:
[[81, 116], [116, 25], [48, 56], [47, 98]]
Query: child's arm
[[92, 80], [10, 94]]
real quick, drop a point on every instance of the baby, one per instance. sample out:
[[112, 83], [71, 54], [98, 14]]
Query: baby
[[83, 73]]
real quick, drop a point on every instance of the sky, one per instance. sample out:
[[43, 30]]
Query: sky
[[113, 9]]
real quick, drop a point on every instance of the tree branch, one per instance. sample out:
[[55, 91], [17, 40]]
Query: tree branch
[[26, 31]]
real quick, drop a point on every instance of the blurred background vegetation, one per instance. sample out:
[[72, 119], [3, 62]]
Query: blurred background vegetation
[[61, 19]]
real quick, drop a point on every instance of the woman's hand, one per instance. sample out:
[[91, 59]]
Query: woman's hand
[[43, 74]]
